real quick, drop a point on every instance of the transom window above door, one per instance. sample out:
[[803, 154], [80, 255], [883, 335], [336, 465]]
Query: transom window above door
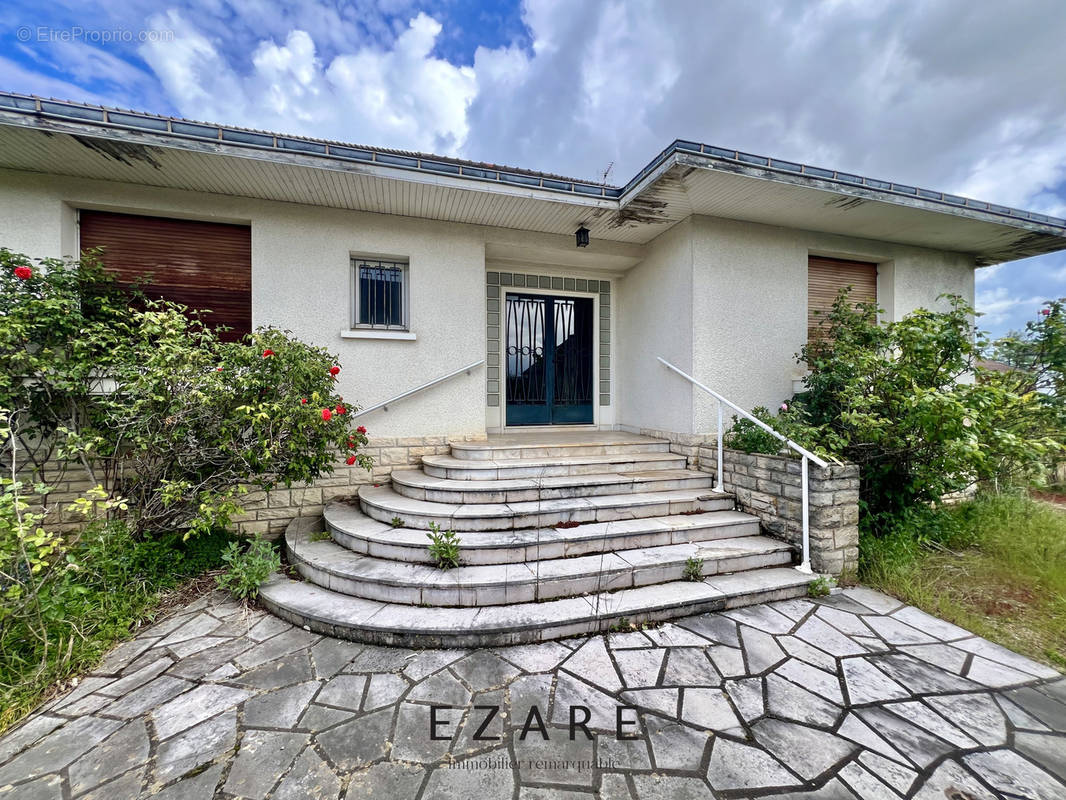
[[380, 294]]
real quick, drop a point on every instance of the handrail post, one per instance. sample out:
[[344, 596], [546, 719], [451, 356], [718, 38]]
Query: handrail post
[[805, 566], [805, 455], [718, 483]]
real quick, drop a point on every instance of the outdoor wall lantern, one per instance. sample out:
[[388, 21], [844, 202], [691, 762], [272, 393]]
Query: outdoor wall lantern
[[582, 235]]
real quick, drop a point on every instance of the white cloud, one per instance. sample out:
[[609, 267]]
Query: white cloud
[[953, 95], [1027, 160], [985, 274], [997, 305], [401, 96]]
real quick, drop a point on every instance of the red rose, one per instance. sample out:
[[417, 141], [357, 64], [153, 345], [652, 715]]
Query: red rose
[[349, 460], [1045, 311], [22, 273], [268, 353], [340, 410], [303, 401], [334, 370], [327, 415], [361, 429], [218, 369]]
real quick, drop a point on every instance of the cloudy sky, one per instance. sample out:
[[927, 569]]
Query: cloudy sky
[[962, 96]]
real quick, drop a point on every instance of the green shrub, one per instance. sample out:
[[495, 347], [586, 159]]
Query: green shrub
[[247, 569], [443, 546], [191, 419], [61, 328], [68, 597], [747, 436], [898, 400]]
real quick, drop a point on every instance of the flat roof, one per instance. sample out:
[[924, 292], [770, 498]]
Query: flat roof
[[1043, 233]]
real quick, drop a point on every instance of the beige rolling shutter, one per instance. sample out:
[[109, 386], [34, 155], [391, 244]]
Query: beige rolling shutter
[[826, 277], [203, 265]]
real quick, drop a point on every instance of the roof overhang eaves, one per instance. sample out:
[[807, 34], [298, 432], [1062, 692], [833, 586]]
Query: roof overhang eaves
[[157, 131], [84, 120], [765, 168]]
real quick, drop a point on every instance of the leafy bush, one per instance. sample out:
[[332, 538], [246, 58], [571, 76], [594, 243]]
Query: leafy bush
[[747, 436], [443, 547], [62, 326], [65, 598], [1036, 361], [1037, 355], [192, 422], [247, 569], [898, 399], [189, 419], [146, 400]]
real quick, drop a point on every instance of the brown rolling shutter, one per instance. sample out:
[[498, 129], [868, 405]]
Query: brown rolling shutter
[[826, 277], [203, 265]]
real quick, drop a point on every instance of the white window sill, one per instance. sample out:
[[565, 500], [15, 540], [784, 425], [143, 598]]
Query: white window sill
[[371, 333]]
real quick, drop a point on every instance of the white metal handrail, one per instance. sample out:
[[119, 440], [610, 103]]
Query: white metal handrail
[[385, 405], [806, 456]]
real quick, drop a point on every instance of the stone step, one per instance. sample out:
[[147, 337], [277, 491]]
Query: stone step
[[452, 468], [377, 622], [352, 529], [384, 504], [331, 566], [555, 445], [420, 486]]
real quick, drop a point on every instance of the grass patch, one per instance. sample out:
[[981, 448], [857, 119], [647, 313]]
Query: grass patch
[[995, 565], [121, 583]]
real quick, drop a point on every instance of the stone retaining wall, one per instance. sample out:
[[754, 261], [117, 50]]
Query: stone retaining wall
[[268, 513], [770, 488]]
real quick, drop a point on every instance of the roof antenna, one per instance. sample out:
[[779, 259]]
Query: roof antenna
[[607, 172]]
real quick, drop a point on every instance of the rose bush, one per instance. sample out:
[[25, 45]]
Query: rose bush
[[145, 397], [168, 422]]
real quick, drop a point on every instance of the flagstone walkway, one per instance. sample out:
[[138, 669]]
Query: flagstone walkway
[[854, 696]]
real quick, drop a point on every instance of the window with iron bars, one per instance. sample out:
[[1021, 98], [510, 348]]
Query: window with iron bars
[[380, 289]]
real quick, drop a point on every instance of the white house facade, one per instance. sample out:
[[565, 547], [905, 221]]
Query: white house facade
[[541, 302], [702, 260]]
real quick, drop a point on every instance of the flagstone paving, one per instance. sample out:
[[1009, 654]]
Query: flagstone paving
[[851, 696]]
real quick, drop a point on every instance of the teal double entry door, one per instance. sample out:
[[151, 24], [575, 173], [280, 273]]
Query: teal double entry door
[[549, 359]]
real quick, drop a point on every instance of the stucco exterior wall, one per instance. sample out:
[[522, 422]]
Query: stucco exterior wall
[[655, 319], [301, 281], [729, 300], [722, 299]]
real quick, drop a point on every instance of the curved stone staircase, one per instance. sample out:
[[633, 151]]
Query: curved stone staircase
[[558, 537]]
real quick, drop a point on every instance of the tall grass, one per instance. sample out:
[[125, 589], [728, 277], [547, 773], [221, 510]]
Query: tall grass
[[82, 613], [995, 565]]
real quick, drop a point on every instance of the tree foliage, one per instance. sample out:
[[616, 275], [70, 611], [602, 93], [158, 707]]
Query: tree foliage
[[906, 401], [145, 397], [1036, 356]]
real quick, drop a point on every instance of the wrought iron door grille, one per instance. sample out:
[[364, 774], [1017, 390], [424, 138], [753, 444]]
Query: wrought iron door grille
[[380, 301], [549, 359], [526, 377], [573, 353]]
